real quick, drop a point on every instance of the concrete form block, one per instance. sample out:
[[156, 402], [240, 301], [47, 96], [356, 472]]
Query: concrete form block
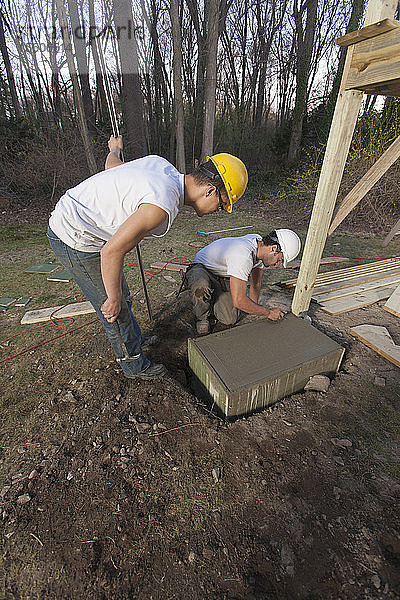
[[247, 368]]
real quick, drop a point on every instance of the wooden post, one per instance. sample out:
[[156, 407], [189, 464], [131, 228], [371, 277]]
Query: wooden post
[[373, 175], [395, 229], [340, 136]]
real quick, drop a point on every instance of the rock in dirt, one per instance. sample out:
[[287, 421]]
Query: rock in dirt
[[106, 460], [142, 427], [380, 381], [216, 473], [376, 580], [207, 552], [344, 443], [23, 499], [69, 397], [192, 557], [318, 383], [33, 474], [4, 491]]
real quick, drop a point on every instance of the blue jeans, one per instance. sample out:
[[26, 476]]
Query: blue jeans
[[86, 271]]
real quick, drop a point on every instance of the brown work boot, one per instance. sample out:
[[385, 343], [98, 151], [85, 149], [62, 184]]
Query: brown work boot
[[153, 371]]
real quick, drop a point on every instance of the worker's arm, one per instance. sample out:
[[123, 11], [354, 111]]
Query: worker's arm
[[255, 284], [114, 156], [243, 302], [131, 232]]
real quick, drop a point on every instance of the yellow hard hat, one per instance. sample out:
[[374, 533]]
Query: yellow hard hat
[[233, 174]]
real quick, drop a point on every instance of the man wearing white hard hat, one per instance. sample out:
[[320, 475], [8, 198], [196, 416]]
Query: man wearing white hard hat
[[218, 277]]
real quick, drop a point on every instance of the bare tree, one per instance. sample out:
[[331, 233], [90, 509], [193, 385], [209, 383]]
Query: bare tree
[[357, 12], [9, 71], [92, 40], [178, 96], [132, 100], [305, 40], [78, 36], [211, 10], [269, 20], [62, 18]]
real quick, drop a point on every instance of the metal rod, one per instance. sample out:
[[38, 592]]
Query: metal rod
[[114, 124], [146, 294]]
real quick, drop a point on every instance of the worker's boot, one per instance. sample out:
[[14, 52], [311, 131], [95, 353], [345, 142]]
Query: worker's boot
[[153, 371]]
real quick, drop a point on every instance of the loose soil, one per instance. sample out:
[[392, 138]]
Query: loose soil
[[130, 490]]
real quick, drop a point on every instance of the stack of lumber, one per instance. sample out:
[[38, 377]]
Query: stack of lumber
[[354, 287]]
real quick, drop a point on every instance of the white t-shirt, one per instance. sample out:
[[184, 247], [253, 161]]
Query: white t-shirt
[[231, 256], [89, 214]]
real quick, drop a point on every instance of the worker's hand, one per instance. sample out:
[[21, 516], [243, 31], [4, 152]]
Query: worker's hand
[[275, 314], [111, 309], [115, 144]]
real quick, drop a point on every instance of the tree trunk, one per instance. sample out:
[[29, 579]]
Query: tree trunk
[[198, 116], [82, 62], [304, 54], [62, 18], [132, 100], [353, 25], [178, 96], [211, 8], [9, 71], [96, 60]]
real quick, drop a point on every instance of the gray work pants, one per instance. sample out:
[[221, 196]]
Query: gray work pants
[[210, 293]]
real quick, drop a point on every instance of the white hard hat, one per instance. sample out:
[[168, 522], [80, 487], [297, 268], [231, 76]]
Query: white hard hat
[[290, 244]]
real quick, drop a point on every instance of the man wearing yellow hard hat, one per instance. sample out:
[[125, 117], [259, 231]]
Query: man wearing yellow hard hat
[[97, 222]]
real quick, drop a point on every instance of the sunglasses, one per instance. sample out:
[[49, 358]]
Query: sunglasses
[[221, 203]]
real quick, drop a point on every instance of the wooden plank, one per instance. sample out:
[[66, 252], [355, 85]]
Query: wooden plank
[[366, 183], [44, 314], [326, 260], [341, 305], [63, 275], [42, 268], [393, 304], [5, 302], [23, 301], [355, 289], [367, 32], [341, 133], [395, 229], [168, 266], [375, 61], [354, 280], [344, 275], [384, 88], [371, 265], [358, 274], [379, 339], [293, 265]]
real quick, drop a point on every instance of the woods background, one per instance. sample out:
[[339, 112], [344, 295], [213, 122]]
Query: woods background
[[255, 78]]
